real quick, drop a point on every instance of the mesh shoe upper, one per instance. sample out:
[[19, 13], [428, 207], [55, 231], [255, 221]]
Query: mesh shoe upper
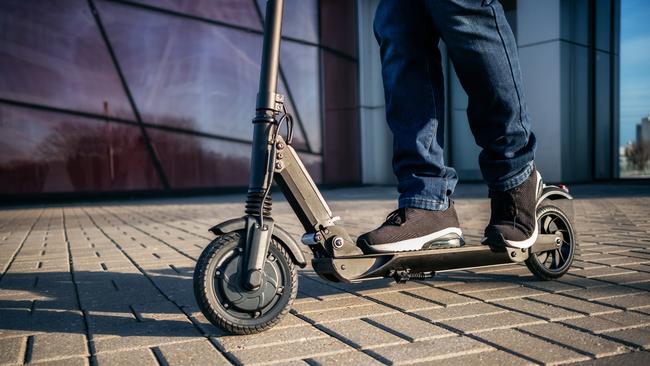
[[411, 223], [513, 212]]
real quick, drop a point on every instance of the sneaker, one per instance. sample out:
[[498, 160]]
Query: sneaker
[[408, 229], [513, 222]]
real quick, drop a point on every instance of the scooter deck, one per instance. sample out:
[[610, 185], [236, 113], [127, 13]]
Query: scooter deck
[[354, 268]]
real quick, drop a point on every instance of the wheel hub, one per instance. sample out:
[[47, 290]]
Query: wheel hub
[[228, 283]]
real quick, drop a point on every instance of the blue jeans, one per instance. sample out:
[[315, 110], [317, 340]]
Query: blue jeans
[[482, 48]]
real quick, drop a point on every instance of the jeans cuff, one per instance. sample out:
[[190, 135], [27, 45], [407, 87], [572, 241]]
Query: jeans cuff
[[513, 181], [424, 203]]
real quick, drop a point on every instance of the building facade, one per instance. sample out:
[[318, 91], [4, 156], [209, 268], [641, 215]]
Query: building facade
[[157, 95], [113, 96]]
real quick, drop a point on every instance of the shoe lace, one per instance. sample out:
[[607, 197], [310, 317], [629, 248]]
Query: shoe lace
[[397, 217]]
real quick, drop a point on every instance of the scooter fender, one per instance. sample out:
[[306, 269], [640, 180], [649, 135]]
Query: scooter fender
[[553, 193], [280, 234]]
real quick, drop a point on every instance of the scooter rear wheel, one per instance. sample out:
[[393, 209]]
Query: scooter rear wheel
[[223, 300], [553, 264]]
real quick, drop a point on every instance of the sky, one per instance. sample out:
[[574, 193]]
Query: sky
[[635, 66]]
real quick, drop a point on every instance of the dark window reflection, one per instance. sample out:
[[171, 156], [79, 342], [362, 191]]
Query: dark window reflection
[[197, 76], [53, 152], [338, 26], [300, 19], [51, 53], [300, 64], [185, 73], [192, 161], [238, 12]]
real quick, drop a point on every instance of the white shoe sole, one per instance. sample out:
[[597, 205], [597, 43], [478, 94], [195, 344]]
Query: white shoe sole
[[415, 243]]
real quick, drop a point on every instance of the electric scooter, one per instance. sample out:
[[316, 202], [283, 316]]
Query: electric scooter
[[246, 279]]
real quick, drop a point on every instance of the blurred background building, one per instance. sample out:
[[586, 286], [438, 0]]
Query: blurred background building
[[158, 95]]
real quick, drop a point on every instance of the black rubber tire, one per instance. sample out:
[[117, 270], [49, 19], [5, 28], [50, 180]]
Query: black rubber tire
[[537, 266], [208, 301]]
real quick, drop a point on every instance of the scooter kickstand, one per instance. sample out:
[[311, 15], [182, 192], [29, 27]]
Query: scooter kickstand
[[402, 276]]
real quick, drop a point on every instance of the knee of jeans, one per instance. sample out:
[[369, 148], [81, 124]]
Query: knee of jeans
[[384, 21]]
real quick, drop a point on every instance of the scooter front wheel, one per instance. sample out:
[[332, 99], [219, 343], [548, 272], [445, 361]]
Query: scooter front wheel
[[226, 303]]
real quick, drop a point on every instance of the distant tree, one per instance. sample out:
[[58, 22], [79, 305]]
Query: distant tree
[[638, 154]]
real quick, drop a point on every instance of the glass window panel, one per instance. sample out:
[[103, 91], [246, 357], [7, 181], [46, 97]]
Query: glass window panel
[[300, 65], [51, 53], [338, 26], [184, 73], [239, 12], [300, 19], [193, 161], [43, 152]]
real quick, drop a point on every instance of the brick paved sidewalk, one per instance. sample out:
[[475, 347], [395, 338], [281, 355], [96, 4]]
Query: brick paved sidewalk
[[110, 283]]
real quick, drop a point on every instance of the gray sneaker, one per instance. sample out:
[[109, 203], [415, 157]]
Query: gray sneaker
[[409, 229]]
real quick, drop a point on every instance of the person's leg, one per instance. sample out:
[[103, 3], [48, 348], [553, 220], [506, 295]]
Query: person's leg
[[483, 50], [413, 86]]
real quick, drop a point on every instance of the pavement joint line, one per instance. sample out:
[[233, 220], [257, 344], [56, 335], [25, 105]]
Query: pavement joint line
[[152, 236], [614, 309], [157, 354], [444, 326], [20, 246], [90, 348], [121, 249], [575, 349], [166, 223]]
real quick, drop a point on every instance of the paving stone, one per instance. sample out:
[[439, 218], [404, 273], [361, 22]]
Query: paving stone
[[200, 352], [460, 312], [56, 345], [628, 278], [360, 334], [290, 351], [356, 312], [485, 323], [626, 359], [531, 347], [140, 357], [404, 301], [578, 305], [333, 304], [638, 337], [587, 343], [346, 358], [75, 361], [157, 311], [539, 309], [549, 286], [442, 297], [271, 337], [12, 350], [637, 301], [480, 285], [610, 322], [505, 294], [148, 334], [493, 357], [445, 348], [583, 282], [409, 327], [600, 272], [603, 292]]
